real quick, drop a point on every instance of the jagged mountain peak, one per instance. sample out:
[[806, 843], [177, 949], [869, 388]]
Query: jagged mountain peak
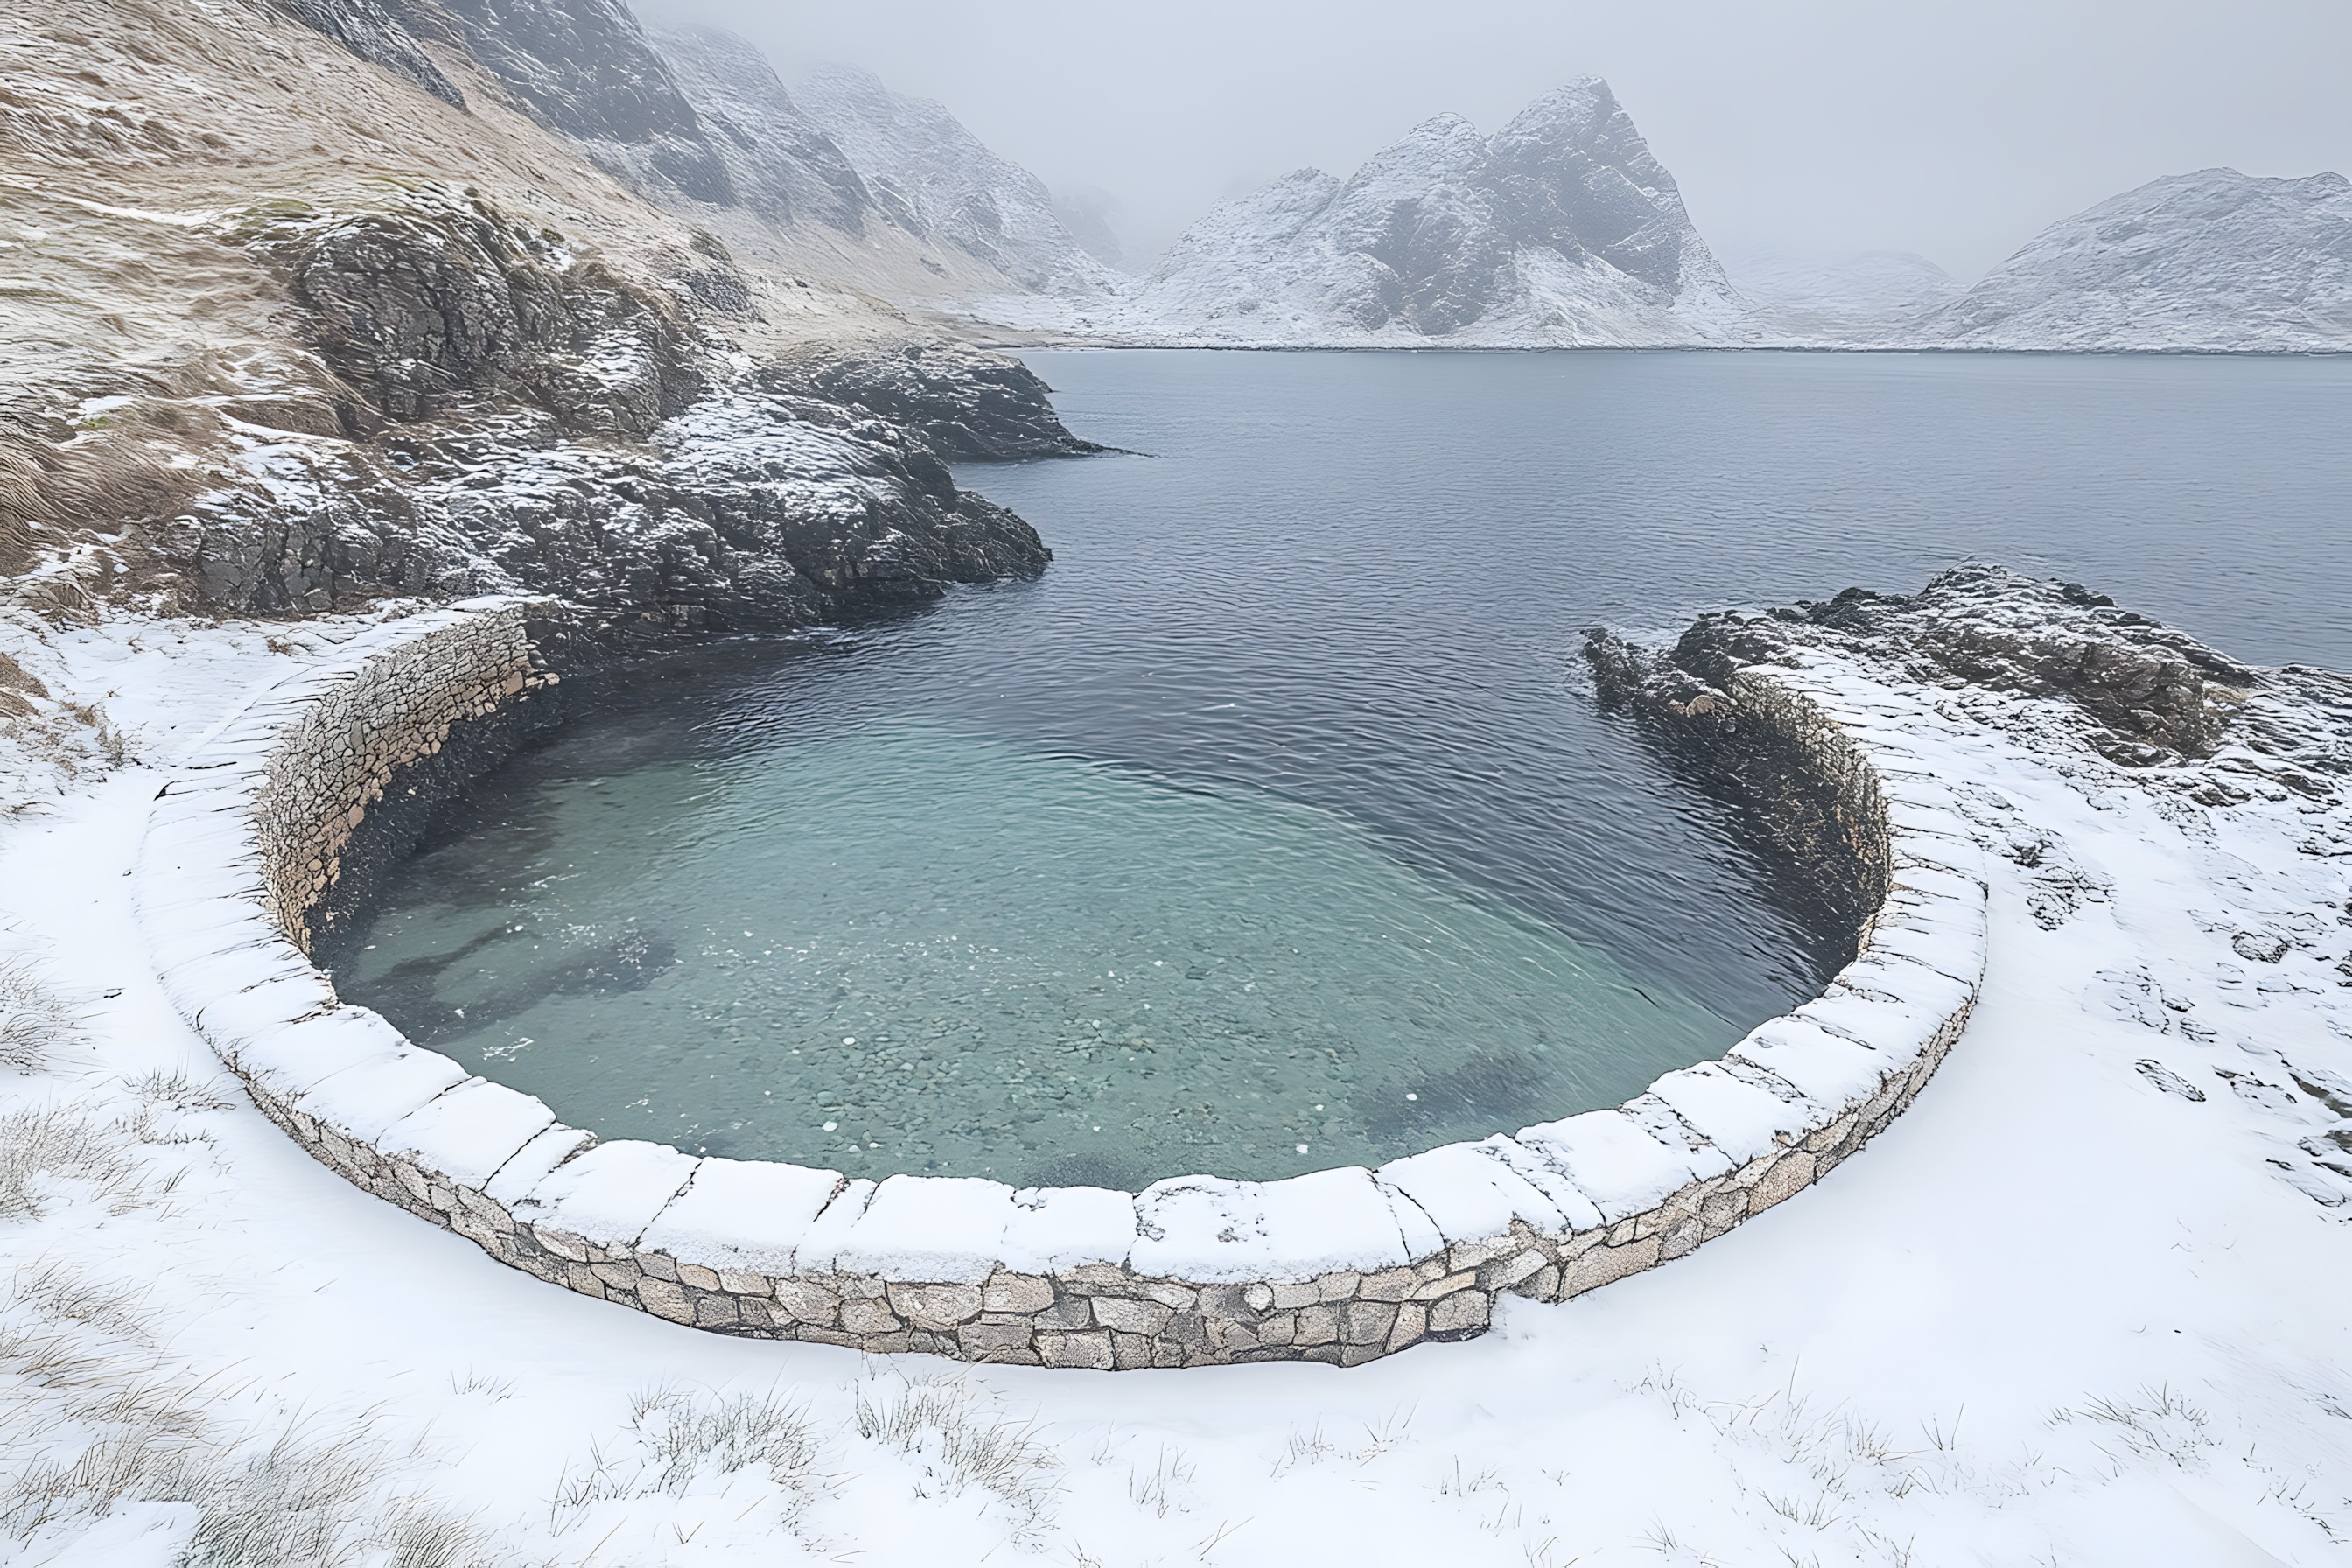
[[1560, 228]]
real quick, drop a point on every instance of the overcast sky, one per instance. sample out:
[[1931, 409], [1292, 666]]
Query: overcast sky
[[1952, 127]]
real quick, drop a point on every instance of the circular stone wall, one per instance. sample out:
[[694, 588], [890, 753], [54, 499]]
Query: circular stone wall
[[1342, 1266]]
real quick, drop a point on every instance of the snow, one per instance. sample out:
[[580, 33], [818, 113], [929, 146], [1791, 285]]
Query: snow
[[2059, 1310], [1212, 1230], [2214, 261], [1559, 230]]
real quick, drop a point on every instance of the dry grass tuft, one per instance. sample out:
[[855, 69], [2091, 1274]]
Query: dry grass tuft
[[676, 1441], [34, 1023], [951, 1427]]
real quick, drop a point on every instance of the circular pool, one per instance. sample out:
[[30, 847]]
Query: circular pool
[[902, 946]]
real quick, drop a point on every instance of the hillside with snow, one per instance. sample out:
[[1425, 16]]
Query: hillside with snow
[[846, 180], [2214, 261]]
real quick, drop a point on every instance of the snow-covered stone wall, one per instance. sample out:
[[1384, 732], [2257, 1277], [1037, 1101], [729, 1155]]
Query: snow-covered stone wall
[[1340, 1265]]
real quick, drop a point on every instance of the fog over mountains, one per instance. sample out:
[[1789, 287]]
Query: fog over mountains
[[1561, 229]]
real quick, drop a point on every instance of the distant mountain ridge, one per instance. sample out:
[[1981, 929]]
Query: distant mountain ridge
[[1562, 229], [2214, 261]]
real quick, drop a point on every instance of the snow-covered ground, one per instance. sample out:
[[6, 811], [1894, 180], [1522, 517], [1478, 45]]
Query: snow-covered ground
[[2084, 1303]]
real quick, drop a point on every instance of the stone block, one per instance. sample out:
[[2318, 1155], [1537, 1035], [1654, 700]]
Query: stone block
[[868, 1317], [984, 1339], [1338, 1286], [1317, 1325], [1389, 1285], [1460, 1315], [1080, 1350], [1131, 1317], [1366, 1322], [1009, 1292], [1068, 1313], [1412, 1322], [1222, 1302], [1464, 1255], [1097, 1280], [1789, 1175], [665, 1298], [1130, 1351], [808, 1302], [1289, 1297], [935, 1307], [1504, 1273], [1258, 1297], [1721, 1211], [1607, 1265], [699, 1277]]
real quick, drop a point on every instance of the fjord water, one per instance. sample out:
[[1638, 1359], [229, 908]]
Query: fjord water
[[1275, 828]]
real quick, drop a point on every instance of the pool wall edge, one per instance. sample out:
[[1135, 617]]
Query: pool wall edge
[[1340, 1265]]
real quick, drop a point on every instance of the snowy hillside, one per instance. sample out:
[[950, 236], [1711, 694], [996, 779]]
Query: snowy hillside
[[1561, 229], [936, 179], [2214, 261]]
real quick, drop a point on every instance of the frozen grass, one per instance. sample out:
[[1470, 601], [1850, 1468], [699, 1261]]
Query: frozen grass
[[677, 1442], [34, 1023], [951, 1428]]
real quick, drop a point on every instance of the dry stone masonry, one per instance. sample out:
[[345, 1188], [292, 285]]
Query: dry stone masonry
[[1339, 1266]]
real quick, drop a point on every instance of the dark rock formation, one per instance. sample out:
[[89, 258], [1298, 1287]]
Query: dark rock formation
[[441, 304], [781, 165], [514, 415], [366, 29], [970, 405], [2147, 694]]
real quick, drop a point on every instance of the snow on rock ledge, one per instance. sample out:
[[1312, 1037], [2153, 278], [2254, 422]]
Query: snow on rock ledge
[[1340, 1265]]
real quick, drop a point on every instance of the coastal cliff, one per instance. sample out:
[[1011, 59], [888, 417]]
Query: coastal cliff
[[412, 328]]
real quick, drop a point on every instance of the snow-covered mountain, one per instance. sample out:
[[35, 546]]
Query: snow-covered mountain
[[2215, 260], [846, 180], [1562, 229], [936, 178]]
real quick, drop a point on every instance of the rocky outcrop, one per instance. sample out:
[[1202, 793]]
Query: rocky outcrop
[[2147, 694], [507, 412], [783, 166], [368, 31], [440, 304], [967, 403], [2215, 260], [583, 67]]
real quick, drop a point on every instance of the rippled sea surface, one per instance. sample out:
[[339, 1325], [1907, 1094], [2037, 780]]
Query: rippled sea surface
[[1275, 828]]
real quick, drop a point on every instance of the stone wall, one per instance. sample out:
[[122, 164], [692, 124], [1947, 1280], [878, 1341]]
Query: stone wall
[[1339, 1266]]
